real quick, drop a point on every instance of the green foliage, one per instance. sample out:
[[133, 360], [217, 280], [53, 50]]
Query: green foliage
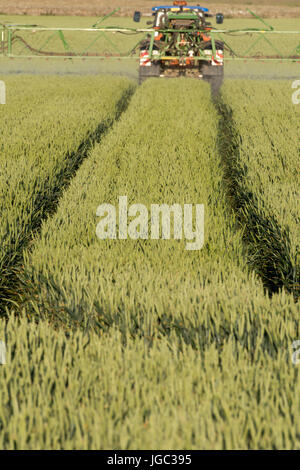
[[47, 127], [141, 284], [87, 392], [141, 343], [152, 287], [264, 165]]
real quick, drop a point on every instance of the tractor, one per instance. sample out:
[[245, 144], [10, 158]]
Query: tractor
[[182, 45], [180, 42]]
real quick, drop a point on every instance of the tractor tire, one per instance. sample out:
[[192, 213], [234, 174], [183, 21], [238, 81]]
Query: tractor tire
[[152, 71]]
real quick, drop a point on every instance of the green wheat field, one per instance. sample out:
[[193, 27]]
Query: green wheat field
[[142, 344]]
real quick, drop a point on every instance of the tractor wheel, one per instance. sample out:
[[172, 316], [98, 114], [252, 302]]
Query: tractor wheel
[[150, 71]]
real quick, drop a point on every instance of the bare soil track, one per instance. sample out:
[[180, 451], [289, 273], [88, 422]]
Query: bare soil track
[[234, 8]]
